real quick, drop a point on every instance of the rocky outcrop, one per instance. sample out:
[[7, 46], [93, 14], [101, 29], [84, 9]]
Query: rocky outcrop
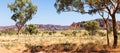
[[39, 26], [59, 27], [100, 21]]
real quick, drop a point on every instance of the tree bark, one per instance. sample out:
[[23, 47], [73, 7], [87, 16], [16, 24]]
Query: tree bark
[[114, 31], [19, 31], [108, 43]]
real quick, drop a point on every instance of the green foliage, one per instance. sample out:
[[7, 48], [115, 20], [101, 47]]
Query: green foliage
[[93, 6], [25, 32], [74, 33], [111, 7], [23, 11], [31, 29], [101, 33], [46, 32], [9, 32], [54, 32], [66, 33], [91, 27], [85, 33], [50, 33]]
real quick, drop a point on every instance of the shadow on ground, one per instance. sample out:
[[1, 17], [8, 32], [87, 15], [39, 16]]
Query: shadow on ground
[[72, 48]]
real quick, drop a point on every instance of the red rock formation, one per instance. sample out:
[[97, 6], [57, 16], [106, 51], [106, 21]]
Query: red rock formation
[[41, 27], [73, 25]]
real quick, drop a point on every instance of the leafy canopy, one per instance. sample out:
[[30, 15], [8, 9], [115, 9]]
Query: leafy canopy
[[23, 11], [87, 6], [91, 26]]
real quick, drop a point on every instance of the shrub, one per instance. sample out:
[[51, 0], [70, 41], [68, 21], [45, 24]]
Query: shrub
[[50, 33], [74, 33], [31, 29], [85, 33], [54, 32], [66, 34], [62, 33], [46, 32], [91, 27], [9, 31], [101, 33]]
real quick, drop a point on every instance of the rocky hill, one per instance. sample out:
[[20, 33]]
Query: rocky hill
[[100, 21], [39, 26], [78, 25]]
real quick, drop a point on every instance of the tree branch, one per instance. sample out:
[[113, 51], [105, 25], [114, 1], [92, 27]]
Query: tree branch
[[112, 3], [109, 11], [117, 7]]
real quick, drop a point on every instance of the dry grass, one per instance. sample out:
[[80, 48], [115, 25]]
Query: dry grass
[[55, 43]]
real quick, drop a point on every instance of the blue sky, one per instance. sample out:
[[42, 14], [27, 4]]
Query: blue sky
[[46, 14]]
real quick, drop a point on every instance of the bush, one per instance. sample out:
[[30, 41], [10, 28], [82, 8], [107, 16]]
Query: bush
[[91, 27], [66, 34], [9, 31], [31, 29], [50, 33], [62, 33], [101, 33], [46, 32], [74, 33], [25, 32], [54, 32], [85, 33]]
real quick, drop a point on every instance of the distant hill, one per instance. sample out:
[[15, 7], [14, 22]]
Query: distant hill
[[39, 26], [78, 25], [52, 27], [100, 21]]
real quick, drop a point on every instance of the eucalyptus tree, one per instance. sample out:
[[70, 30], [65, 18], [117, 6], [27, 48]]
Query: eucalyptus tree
[[112, 7], [105, 19], [91, 27], [23, 11]]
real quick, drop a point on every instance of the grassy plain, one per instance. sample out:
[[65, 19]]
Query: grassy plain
[[72, 41]]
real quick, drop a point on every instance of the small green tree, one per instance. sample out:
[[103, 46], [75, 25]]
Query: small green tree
[[23, 11], [91, 27], [31, 29]]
